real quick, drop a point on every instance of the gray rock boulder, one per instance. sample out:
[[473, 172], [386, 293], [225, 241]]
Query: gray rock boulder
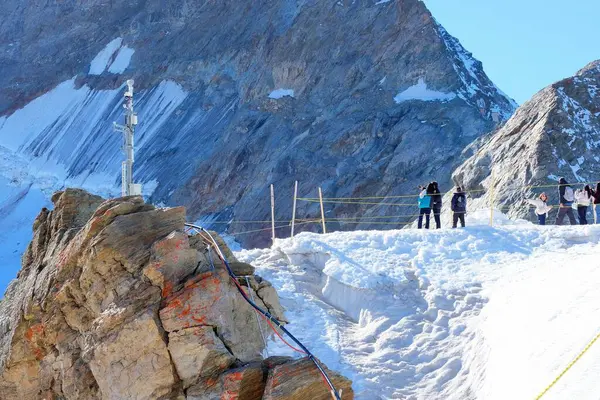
[[109, 304]]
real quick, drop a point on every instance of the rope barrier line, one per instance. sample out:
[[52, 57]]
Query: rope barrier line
[[268, 229], [242, 222], [360, 202], [345, 219], [374, 222], [406, 196], [568, 367], [556, 185]]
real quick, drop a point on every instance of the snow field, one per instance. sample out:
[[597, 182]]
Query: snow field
[[475, 313]]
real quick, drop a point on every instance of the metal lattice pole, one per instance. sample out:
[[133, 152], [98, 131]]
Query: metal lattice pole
[[128, 188]]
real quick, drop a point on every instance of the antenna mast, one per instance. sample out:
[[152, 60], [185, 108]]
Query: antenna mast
[[128, 188]]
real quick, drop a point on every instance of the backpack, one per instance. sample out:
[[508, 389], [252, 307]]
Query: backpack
[[569, 195]]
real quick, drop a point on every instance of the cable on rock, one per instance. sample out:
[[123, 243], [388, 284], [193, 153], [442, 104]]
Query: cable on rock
[[266, 315]]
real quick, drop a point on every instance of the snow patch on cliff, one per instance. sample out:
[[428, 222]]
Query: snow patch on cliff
[[422, 93], [122, 61], [102, 61], [281, 93], [114, 58]]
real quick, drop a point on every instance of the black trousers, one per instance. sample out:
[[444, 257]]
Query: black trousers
[[436, 216], [458, 216], [426, 212], [582, 211]]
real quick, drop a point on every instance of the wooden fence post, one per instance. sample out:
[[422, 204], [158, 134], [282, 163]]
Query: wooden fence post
[[322, 210], [273, 213], [294, 207], [492, 194]]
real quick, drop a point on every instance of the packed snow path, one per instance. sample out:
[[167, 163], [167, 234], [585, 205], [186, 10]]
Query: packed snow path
[[479, 313]]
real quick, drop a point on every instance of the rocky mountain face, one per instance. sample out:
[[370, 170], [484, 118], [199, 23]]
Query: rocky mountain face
[[362, 98], [115, 301], [555, 134]]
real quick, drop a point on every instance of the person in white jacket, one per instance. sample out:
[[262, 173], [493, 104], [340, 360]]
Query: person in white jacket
[[583, 199], [541, 207]]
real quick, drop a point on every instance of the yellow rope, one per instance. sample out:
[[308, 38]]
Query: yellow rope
[[589, 345], [268, 229]]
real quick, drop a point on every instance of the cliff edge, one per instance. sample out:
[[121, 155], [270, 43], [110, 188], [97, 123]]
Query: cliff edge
[[115, 301]]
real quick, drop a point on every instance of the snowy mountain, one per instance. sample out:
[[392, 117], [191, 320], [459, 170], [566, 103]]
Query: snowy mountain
[[476, 313], [555, 134], [352, 96]]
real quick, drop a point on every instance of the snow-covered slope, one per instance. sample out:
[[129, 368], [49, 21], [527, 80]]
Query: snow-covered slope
[[480, 313]]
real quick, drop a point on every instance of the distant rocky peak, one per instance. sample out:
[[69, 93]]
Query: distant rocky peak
[[592, 68], [477, 89], [555, 134]]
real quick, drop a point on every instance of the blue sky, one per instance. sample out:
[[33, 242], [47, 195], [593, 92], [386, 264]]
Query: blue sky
[[525, 45]]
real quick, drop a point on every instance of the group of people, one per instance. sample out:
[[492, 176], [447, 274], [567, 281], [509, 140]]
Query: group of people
[[430, 199], [581, 199]]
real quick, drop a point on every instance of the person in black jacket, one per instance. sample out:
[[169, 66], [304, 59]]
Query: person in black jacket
[[459, 207], [436, 204], [567, 197]]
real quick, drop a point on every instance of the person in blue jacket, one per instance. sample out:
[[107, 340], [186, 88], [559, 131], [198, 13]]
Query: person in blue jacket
[[424, 202], [459, 207]]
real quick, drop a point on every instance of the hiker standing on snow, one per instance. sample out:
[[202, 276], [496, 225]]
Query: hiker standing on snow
[[424, 202], [541, 207], [584, 199], [567, 197], [459, 207], [596, 196], [436, 204]]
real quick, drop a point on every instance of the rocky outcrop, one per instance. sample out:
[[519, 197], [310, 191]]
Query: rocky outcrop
[[362, 98], [555, 134], [115, 301]]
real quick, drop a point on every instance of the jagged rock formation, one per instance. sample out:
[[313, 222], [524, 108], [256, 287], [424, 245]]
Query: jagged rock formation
[[556, 133], [115, 301], [359, 97]]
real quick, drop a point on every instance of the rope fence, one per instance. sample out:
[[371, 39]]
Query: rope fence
[[398, 219]]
